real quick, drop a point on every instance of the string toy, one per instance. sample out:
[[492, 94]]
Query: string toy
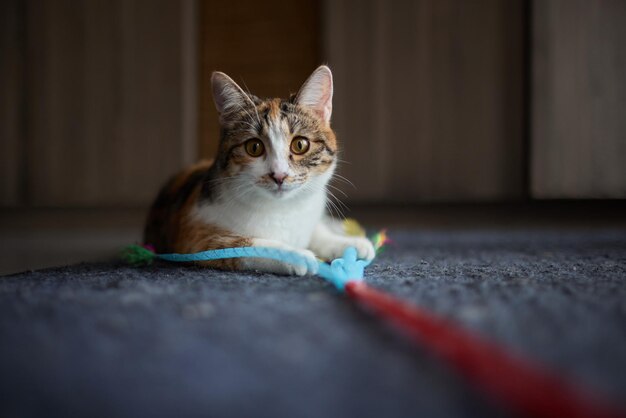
[[515, 382]]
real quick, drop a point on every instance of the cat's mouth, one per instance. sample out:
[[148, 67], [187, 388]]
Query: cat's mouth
[[284, 189], [280, 190]]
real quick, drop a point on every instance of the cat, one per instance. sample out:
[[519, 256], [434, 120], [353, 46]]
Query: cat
[[266, 187]]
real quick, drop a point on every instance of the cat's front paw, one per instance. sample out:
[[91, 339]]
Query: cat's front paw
[[364, 248], [297, 268], [311, 266]]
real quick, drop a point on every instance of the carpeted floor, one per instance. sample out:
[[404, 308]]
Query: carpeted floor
[[171, 340]]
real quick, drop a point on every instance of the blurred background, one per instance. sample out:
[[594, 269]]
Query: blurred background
[[482, 113]]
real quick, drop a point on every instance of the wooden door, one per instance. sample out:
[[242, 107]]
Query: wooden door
[[99, 103], [579, 99], [428, 98]]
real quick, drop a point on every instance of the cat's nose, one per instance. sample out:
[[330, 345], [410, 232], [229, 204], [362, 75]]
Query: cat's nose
[[278, 178]]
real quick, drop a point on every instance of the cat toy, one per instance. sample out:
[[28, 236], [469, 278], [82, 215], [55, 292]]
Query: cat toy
[[510, 379]]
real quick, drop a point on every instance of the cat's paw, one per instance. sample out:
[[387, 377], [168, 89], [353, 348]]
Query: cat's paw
[[311, 266], [334, 249], [278, 267], [364, 248]]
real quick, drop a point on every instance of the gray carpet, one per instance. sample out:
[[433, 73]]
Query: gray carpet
[[171, 340]]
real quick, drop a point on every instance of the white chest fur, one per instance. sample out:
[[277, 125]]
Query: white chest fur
[[291, 221]]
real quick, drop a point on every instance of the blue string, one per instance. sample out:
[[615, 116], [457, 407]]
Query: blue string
[[338, 272]]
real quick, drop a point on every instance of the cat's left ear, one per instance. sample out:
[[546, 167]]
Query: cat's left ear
[[317, 93], [227, 95]]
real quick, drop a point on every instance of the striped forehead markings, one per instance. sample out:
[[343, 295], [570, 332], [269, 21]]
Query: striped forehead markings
[[277, 131]]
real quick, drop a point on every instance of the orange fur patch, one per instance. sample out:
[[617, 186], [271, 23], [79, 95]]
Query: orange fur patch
[[170, 227]]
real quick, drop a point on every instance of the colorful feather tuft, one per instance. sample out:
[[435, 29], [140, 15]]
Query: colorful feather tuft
[[137, 256], [353, 228], [380, 240]]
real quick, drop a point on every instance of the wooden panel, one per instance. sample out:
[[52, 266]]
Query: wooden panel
[[270, 47], [105, 100], [10, 102], [579, 99], [429, 102]]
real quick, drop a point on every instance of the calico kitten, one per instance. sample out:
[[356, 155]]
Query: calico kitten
[[267, 186]]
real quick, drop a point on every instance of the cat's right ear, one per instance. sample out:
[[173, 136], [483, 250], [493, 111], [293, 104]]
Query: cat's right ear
[[317, 93], [227, 95]]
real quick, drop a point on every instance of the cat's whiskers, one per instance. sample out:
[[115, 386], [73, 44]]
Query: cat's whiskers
[[337, 189], [313, 188], [338, 201], [219, 181], [337, 215], [337, 204], [334, 211], [343, 179], [238, 192], [340, 161], [222, 185]]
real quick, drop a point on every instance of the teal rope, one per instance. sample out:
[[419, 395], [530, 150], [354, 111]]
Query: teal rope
[[338, 272], [285, 256]]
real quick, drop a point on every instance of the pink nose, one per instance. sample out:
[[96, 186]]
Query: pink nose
[[278, 177]]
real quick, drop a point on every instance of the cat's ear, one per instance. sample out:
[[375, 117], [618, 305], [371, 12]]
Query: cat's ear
[[317, 93], [227, 95]]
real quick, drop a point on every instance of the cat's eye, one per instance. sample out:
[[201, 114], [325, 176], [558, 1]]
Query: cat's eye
[[254, 147], [300, 145]]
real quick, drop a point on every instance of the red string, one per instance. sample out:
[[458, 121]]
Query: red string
[[512, 380]]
